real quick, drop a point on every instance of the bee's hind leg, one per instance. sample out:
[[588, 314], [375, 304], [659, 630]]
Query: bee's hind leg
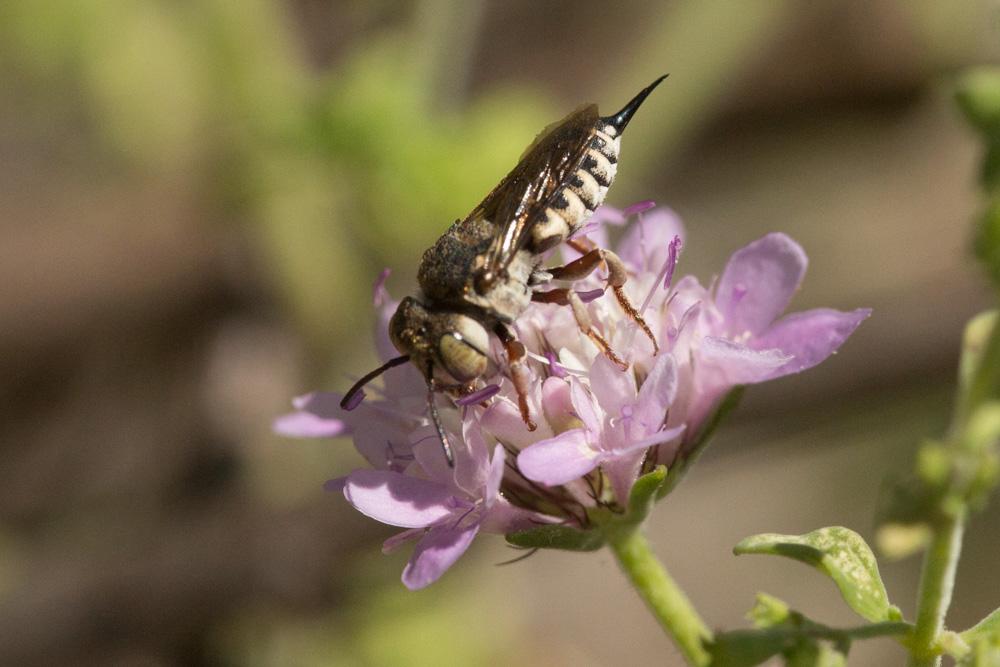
[[617, 277], [519, 373], [565, 296]]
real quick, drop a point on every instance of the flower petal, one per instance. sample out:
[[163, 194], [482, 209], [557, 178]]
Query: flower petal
[[397, 499], [472, 465], [646, 244], [657, 393], [810, 336], [758, 282], [558, 460], [583, 406], [503, 518], [557, 404], [495, 477], [725, 363], [399, 539], [308, 425], [434, 554], [612, 387], [503, 420]]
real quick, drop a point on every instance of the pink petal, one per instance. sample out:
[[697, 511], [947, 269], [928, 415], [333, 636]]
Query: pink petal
[[638, 207], [810, 336], [557, 404], [397, 499], [503, 420], [495, 477], [612, 387], [472, 468], [659, 437], [308, 425], [657, 392], [646, 244], [434, 554], [399, 539], [758, 282], [608, 214], [504, 518], [583, 406], [730, 363], [558, 460]]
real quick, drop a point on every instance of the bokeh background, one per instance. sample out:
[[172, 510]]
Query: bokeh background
[[196, 197]]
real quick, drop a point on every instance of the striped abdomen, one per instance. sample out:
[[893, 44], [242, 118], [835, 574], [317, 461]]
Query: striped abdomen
[[584, 191]]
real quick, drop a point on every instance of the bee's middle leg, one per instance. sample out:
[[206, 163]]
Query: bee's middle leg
[[519, 373], [565, 296], [617, 277]]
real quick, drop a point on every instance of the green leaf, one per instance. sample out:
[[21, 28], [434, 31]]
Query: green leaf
[[978, 95], [989, 627], [841, 554], [769, 611], [725, 407], [643, 495], [984, 653], [557, 537]]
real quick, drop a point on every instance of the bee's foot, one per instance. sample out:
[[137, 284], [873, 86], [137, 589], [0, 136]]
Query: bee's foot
[[634, 315]]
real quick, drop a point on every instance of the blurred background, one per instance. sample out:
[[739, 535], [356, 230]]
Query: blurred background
[[197, 196]]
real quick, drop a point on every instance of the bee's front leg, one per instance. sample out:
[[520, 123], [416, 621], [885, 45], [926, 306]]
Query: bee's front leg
[[565, 296], [519, 373], [617, 277]]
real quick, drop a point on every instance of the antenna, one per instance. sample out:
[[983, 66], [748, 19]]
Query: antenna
[[449, 455], [351, 400]]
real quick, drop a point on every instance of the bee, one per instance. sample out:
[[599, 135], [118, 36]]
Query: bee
[[486, 269]]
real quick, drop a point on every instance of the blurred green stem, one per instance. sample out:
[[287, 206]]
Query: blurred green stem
[[664, 597], [985, 381], [937, 581]]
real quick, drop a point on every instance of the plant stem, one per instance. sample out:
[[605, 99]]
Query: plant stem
[[936, 583], [662, 594]]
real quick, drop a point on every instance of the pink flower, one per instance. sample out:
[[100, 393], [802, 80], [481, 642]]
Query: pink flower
[[731, 338], [598, 427], [444, 513], [618, 424]]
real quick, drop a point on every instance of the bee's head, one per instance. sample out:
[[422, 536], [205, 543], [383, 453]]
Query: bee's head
[[454, 344]]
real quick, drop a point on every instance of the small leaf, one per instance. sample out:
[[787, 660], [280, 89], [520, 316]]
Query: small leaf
[[557, 537], [985, 652], [988, 627], [769, 611], [643, 495], [842, 555]]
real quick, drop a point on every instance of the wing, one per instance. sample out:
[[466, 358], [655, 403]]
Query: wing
[[520, 200]]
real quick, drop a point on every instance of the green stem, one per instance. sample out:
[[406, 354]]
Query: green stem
[[662, 594], [936, 583]]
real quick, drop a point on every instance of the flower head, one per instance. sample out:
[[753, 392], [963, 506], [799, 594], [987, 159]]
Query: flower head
[[598, 427]]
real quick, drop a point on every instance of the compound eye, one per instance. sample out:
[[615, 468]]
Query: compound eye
[[460, 359]]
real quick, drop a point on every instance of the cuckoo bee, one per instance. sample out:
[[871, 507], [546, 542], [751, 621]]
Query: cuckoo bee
[[486, 269]]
